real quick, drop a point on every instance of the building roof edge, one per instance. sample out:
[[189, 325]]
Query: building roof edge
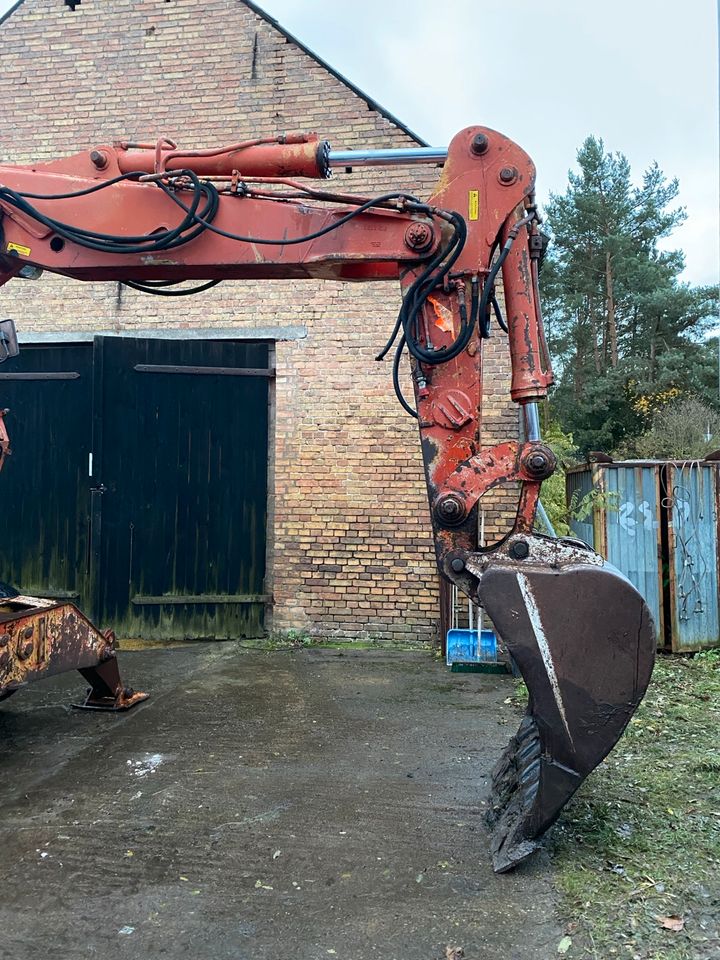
[[10, 12], [372, 104], [276, 25]]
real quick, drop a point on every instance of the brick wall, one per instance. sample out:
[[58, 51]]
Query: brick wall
[[350, 550]]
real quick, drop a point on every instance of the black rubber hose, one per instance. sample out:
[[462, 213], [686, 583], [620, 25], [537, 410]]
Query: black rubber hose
[[105, 243], [396, 379], [384, 198], [417, 296], [185, 231], [170, 293], [82, 193], [498, 314]]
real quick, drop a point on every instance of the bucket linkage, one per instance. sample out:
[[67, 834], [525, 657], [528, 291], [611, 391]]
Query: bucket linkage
[[579, 632]]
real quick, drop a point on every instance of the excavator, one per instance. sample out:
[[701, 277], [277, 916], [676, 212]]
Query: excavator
[[155, 215]]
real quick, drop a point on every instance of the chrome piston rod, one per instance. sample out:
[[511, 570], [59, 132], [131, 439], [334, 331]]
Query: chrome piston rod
[[530, 430], [387, 158]]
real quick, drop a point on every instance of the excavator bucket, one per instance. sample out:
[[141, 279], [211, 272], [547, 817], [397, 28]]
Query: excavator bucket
[[584, 640]]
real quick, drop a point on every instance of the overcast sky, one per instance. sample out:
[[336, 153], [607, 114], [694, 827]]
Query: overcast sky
[[641, 74]]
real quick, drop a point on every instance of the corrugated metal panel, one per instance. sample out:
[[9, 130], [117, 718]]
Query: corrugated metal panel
[[663, 533], [578, 484], [632, 529], [625, 530], [693, 496]]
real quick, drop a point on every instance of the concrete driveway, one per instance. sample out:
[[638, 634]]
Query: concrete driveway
[[289, 805]]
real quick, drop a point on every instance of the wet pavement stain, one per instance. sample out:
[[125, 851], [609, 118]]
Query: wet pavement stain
[[308, 804]]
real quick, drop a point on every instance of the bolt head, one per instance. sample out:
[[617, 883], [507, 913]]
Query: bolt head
[[418, 236], [539, 463], [450, 510], [508, 175], [457, 565], [25, 650], [519, 550], [99, 159], [479, 144]]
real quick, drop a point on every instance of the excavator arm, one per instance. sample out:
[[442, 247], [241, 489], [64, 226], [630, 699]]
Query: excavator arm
[[153, 215]]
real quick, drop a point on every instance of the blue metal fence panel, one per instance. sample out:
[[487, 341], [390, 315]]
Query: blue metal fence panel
[[662, 530], [579, 483], [625, 528], [693, 496], [632, 530]]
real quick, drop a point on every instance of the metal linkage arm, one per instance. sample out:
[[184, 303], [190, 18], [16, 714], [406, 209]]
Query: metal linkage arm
[[491, 181]]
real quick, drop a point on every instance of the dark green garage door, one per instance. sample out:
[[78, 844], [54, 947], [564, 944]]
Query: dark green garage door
[[44, 485], [143, 467]]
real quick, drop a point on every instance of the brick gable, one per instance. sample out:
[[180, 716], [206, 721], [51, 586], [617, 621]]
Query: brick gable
[[351, 547]]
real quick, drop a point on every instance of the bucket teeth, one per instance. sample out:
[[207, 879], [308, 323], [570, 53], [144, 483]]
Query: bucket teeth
[[584, 641], [518, 767]]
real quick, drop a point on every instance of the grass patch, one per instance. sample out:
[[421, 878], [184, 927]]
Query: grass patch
[[521, 696], [641, 840]]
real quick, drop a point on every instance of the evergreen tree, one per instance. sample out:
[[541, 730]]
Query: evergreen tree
[[621, 325]]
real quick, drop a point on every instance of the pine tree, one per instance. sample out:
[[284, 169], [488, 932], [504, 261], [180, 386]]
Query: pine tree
[[620, 323]]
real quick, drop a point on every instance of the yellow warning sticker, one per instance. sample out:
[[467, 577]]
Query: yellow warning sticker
[[18, 248], [473, 204]]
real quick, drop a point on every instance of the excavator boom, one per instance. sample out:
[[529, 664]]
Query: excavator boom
[[153, 215]]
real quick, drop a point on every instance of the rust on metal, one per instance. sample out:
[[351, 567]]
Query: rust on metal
[[531, 371], [371, 246], [419, 236], [40, 638], [4, 438], [292, 155]]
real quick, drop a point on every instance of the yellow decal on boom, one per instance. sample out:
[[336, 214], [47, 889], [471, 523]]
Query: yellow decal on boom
[[18, 248], [473, 204]]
